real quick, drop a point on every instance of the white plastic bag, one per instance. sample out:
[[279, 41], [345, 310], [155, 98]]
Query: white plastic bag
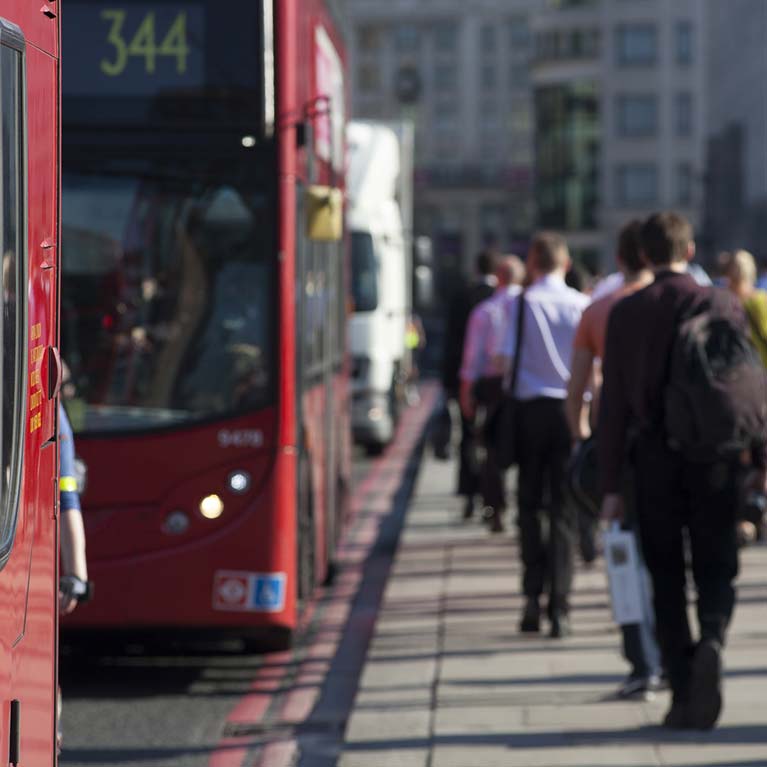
[[624, 574]]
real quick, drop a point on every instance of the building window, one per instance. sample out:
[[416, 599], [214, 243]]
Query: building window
[[585, 43], [521, 118], [636, 45], [684, 184], [488, 77], [683, 114], [489, 121], [637, 116], [519, 34], [487, 39], [369, 78], [557, 44], [519, 75], [683, 42], [567, 141], [445, 77], [13, 227], [406, 38], [446, 37], [493, 221], [568, 4], [369, 39], [445, 118], [637, 185]]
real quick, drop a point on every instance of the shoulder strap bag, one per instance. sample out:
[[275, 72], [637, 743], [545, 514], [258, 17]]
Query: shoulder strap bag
[[506, 447]]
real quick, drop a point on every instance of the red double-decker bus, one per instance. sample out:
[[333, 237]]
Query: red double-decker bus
[[203, 307], [30, 374]]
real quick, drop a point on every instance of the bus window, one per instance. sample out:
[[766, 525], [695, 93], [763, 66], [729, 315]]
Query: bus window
[[12, 313]]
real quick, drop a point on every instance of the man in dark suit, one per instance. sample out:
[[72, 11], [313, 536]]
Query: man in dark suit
[[687, 509], [459, 309]]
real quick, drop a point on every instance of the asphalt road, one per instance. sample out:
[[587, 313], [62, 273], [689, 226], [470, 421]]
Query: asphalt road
[[150, 706]]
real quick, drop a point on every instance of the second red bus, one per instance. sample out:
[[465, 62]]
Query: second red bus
[[203, 326]]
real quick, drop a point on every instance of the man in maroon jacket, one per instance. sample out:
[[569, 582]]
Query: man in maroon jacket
[[676, 497]]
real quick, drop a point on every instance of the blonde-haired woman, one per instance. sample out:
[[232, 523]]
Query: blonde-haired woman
[[740, 270], [741, 280]]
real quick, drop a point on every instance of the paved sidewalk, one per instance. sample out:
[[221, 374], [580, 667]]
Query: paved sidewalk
[[448, 681]]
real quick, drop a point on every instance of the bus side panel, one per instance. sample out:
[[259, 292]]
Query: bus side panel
[[36, 669], [39, 22], [286, 109], [35, 659], [286, 20], [321, 412]]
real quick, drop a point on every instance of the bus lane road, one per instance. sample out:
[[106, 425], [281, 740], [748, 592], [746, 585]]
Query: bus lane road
[[215, 706]]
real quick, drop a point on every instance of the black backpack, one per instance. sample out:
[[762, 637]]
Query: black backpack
[[716, 393]]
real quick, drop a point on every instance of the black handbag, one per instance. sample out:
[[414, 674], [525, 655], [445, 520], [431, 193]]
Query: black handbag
[[505, 427], [583, 477], [441, 430]]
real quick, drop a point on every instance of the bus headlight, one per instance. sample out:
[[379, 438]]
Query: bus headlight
[[176, 523], [211, 507], [239, 482]]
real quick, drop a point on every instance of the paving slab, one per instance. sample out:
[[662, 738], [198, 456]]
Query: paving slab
[[449, 682]]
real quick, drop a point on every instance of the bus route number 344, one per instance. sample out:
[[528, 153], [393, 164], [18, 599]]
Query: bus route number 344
[[144, 43]]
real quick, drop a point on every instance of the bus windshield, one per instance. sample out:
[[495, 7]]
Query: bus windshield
[[167, 309], [168, 210]]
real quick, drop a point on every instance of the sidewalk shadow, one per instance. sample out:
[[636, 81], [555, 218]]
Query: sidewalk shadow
[[320, 744], [650, 734]]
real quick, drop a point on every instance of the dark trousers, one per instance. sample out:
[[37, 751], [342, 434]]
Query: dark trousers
[[489, 394], [544, 450], [641, 650], [675, 498], [468, 470], [640, 646]]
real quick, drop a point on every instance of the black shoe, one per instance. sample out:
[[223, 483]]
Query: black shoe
[[468, 509], [706, 685], [560, 626], [531, 618], [493, 519], [678, 717]]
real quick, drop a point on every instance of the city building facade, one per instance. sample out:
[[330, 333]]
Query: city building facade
[[620, 108], [461, 72], [569, 114], [735, 212]]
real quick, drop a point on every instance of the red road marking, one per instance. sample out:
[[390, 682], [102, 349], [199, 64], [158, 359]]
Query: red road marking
[[352, 553]]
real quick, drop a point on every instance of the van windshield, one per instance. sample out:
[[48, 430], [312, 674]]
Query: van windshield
[[364, 273]]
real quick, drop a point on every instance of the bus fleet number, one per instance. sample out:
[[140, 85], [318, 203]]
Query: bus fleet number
[[143, 44]]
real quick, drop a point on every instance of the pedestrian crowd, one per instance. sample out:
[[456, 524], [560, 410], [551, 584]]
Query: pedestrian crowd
[[641, 408]]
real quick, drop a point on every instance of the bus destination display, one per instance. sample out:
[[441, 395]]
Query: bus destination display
[[134, 49]]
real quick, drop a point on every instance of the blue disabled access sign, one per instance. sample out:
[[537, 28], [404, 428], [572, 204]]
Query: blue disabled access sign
[[243, 591], [269, 592]]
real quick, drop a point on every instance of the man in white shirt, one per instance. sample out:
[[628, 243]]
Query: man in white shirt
[[551, 315], [480, 383]]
